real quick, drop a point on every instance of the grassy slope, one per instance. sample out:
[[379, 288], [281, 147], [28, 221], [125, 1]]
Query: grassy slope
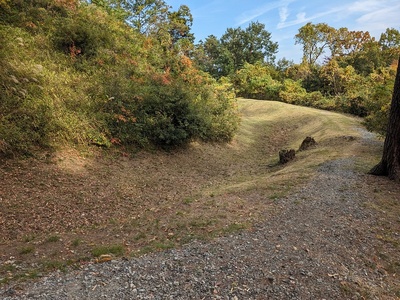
[[71, 207]]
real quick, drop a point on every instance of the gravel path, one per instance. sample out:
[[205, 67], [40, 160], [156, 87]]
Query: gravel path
[[315, 247]]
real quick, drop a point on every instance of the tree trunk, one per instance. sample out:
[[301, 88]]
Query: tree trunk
[[390, 162]]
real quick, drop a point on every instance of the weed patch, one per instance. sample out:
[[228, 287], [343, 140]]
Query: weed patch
[[117, 250]]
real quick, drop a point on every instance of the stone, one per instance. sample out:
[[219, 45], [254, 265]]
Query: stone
[[286, 155], [307, 143]]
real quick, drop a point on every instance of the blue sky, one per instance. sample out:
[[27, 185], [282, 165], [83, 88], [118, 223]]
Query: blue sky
[[283, 18]]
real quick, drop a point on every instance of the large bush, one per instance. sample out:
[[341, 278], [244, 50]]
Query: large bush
[[255, 81], [83, 32], [174, 114], [292, 92]]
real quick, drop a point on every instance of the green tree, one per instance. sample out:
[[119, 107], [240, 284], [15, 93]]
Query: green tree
[[144, 15], [147, 16], [250, 45], [212, 57], [390, 39], [315, 39], [283, 64], [390, 43], [116, 8], [180, 24]]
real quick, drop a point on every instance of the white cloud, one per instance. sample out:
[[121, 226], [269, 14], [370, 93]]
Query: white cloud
[[301, 17], [250, 15], [373, 12], [377, 20], [365, 6], [381, 15], [283, 13]]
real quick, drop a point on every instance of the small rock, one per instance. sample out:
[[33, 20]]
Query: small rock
[[307, 143], [286, 155]]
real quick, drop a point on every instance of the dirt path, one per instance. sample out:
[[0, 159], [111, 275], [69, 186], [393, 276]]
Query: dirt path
[[321, 244]]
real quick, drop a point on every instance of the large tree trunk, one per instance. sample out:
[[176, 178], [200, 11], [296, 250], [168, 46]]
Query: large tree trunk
[[390, 163]]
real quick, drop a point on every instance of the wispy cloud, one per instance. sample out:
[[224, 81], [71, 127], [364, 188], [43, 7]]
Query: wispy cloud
[[366, 5], [302, 17], [367, 13], [252, 14], [378, 19], [283, 13]]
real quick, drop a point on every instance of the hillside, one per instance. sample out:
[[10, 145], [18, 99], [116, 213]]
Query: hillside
[[74, 74], [69, 208]]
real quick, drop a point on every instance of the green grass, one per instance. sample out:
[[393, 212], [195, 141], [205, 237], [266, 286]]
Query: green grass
[[117, 250], [53, 239], [26, 250], [54, 265], [234, 227], [76, 242]]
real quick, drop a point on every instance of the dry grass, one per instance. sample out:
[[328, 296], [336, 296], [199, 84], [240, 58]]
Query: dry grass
[[154, 201]]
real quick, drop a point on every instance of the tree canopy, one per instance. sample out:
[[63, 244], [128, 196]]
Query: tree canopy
[[234, 49]]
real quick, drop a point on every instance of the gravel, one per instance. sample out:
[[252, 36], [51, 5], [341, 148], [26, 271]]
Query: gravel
[[316, 246]]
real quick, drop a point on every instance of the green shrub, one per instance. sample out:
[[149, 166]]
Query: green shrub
[[83, 33], [255, 81], [377, 121], [168, 117], [218, 107], [292, 92]]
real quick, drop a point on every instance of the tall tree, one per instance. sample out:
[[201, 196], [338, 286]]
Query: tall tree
[[146, 15], [345, 42], [212, 57], [315, 39], [250, 45], [390, 162], [180, 24], [390, 43], [390, 38]]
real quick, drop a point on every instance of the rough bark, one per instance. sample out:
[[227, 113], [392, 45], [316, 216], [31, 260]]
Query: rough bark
[[390, 162]]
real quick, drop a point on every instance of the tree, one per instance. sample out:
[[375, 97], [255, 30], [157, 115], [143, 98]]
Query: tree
[[251, 45], [390, 39], [116, 8], [212, 57], [344, 42], [180, 23], [390, 43], [315, 39], [146, 15], [390, 162]]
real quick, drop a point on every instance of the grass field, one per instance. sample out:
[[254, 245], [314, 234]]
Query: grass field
[[69, 208]]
